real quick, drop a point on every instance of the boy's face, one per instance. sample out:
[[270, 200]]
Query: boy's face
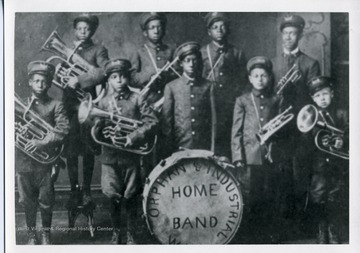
[[218, 31], [39, 84], [259, 78], [290, 37], [190, 64], [154, 31], [82, 31], [323, 97], [118, 81]]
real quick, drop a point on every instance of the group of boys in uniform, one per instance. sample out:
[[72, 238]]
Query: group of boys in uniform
[[205, 103]]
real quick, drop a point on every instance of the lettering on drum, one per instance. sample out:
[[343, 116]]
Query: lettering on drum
[[194, 201]]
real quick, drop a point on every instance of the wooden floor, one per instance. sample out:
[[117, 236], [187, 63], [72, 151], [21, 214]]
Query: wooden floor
[[80, 234]]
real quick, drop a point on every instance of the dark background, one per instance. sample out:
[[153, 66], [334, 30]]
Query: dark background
[[325, 38]]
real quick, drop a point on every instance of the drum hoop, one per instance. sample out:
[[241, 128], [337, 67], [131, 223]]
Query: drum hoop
[[176, 158]]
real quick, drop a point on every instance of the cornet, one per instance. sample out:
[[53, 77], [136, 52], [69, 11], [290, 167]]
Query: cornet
[[144, 92], [291, 76], [30, 126], [329, 139], [274, 125], [112, 129], [75, 64]]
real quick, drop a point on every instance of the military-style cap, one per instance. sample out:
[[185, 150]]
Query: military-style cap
[[213, 17], [42, 68], [149, 16], [259, 62], [187, 48], [117, 65], [319, 82], [92, 20], [294, 21]]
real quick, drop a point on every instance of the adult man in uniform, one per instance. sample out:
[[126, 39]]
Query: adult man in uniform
[[80, 141], [225, 66], [296, 159]]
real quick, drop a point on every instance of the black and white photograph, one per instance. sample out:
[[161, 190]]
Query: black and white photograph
[[177, 126]]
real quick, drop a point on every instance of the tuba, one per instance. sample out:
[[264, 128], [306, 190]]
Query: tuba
[[274, 125], [112, 129], [71, 62], [329, 139], [291, 76], [30, 126]]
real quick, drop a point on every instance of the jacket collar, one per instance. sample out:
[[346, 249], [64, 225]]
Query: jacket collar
[[217, 48], [160, 46], [265, 92], [43, 99], [85, 44], [296, 52], [125, 94]]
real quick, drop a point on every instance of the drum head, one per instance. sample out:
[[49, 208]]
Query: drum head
[[190, 199]]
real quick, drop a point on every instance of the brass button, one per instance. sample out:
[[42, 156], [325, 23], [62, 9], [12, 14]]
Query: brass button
[[192, 108], [193, 132], [261, 96], [261, 119], [221, 73], [158, 58], [192, 120], [261, 107], [192, 96], [220, 85]]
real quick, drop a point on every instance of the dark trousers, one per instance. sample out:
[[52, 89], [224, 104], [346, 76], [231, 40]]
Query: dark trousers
[[36, 189]]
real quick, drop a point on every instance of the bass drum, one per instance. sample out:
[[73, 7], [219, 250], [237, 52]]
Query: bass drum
[[190, 199]]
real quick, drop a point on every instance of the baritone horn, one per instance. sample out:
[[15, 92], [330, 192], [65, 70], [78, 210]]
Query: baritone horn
[[30, 126], [112, 129], [71, 64], [329, 139], [293, 75], [274, 125]]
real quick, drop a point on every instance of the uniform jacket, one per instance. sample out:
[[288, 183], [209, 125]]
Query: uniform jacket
[[145, 69], [130, 106], [297, 94], [186, 115], [53, 112], [229, 82], [245, 146], [339, 119], [95, 55]]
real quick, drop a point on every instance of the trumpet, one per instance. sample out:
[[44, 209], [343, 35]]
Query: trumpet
[[75, 64], [30, 126], [274, 125], [329, 139], [112, 129], [291, 76]]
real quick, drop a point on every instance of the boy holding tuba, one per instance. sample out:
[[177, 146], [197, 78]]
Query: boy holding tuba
[[328, 172], [120, 180], [79, 141], [36, 180]]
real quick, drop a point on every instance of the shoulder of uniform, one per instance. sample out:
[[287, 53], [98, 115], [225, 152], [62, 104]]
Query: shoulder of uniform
[[307, 57]]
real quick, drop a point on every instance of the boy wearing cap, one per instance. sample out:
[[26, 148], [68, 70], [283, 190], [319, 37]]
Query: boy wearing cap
[[255, 168], [120, 172], [152, 56], [225, 66], [79, 141], [328, 172], [295, 145], [36, 180], [186, 113]]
